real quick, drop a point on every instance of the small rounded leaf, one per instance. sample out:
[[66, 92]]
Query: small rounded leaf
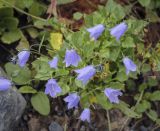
[[27, 89], [40, 103]]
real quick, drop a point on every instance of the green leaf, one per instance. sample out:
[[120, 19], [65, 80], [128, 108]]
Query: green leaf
[[9, 23], [143, 106], [127, 110], [40, 103], [84, 100], [6, 12], [42, 69], [33, 32], [128, 43], [105, 53], [37, 9], [142, 87], [121, 76], [27, 89], [115, 9], [102, 100], [136, 26], [61, 72], [77, 15], [12, 36], [40, 24], [146, 68], [23, 43], [144, 3], [110, 6], [152, 115], [152, 82], [79, 83], [114, 53], [117, 85], [24, 3], [19, 75], [155, 96]]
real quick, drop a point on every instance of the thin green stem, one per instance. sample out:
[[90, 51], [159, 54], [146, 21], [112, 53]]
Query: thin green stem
[[22, 11], [35, 52], [41, 43], [137, 103], [109, 121]]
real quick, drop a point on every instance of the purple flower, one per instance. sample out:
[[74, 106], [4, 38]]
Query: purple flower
[[129, 64], [53, 63], [96, 31], [85, 115], [85, 73], [73, 100], [118, 30], [5, 84], [23, 57], [72, 58], [113, 94], [52, 88]]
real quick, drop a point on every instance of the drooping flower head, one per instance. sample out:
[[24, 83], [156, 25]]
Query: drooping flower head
[[85, 115], [118, 30], [129, 64], [113, 94], [96, 31], [85, 74], [5, 84], [52, 88], [23, 57], [72, 58], [72, 100], [53, 63]]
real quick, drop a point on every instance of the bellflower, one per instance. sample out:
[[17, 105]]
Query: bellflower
[[52, 88], [96, 31], [72, 100], [129, 64], [113, 94], [23, 57], [118, 30], [85, 73], [72, 58], [5, 84], [53, 63], [85, 115]]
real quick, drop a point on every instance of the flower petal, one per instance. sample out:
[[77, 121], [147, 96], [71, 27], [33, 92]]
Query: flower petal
[[23, 57], [72, 58], [118, 30], [85, 74], [85, 115], [72, 100], [113, 94], [129, 65], [52, 88], [96, 31], [53, 63], [5, 84]]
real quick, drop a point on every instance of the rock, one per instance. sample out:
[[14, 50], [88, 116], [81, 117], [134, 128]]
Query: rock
[[12, 105], [54, 126]]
